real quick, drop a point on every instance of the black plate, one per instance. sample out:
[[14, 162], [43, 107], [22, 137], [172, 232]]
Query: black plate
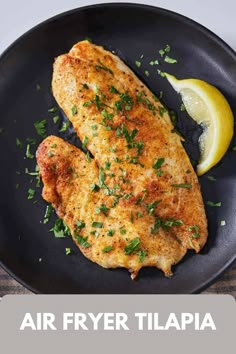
[[27, 249]]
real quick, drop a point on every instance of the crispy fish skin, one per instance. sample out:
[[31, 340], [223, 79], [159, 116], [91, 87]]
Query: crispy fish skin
[[85, 78], [67, 178]]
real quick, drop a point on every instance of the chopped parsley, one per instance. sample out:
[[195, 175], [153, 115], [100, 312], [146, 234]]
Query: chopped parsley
[[110, 233], [31, 141], [94, 127], [85, 142], [162, 52], [79, 225], [82, 241], [28, 153], [40, 127], [170, 60], [122, 231], [222, 223], [74, 110], [139, 215], [114, 90], [165, 224], [55, 119], [195, 231], [162, 110], [68, 250], [154, 62], [214, 204], [50, 154], [142, 255], [97, 224], [107, 165], [132, 246], [102, 209], [182, 185], [151, 207], [65, 126], [211, 178], [88, 158], [146, 72], [31, 193], [60, 229], [107, 249], [94, 187], [161, 73], [88, 103], [19, 143], [101, 66], [158, 163], [52, 110], [48, 213], [85, 86], [138, 63]]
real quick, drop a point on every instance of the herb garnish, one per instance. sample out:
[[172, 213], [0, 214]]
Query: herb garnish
[[94, 187], [65, 126], [28, 153], [19, 143], [97, 224], [154, 62], [195, 230], [214, 204], [132, 246], [165, 224], [110, 233], [107, 249], [211, 178], [114, 90], [170, 60], [40, 126], [74, 110], [102, 209], [182, 185], [161, 73], [138, 63], [48, 213], [79, 225], [85, 142], [55, 119], [83, 241], [159, 162], [60, 229], [142, 255], [31, 193], [68, 250], [151, 207], [52, 110], [101, 66]]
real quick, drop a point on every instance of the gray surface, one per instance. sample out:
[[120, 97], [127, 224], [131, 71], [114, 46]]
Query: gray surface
[[14, 308], [18, 16]]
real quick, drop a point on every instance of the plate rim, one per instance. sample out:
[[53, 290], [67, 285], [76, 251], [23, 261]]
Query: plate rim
[[210, 34]]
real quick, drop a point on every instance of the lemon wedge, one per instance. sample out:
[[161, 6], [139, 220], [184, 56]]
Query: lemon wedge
[[209, 108]]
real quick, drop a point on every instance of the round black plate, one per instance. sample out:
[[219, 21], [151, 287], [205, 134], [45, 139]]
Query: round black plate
[[27, 249]]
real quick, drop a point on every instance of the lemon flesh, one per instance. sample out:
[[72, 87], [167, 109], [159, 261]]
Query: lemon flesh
[[209, 108]]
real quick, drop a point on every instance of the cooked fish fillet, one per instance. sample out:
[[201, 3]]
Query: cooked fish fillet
[[140, 158], [101, 233]]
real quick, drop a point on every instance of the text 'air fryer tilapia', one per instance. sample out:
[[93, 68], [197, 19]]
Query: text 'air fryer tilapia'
[[138, 203]]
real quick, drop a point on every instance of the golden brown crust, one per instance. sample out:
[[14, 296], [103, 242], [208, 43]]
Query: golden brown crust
[[83, 79]]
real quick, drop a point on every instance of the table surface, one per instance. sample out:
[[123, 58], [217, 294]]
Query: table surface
[[16, 17]]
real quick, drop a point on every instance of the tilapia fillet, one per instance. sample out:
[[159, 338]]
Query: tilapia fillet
[[146, 183]]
